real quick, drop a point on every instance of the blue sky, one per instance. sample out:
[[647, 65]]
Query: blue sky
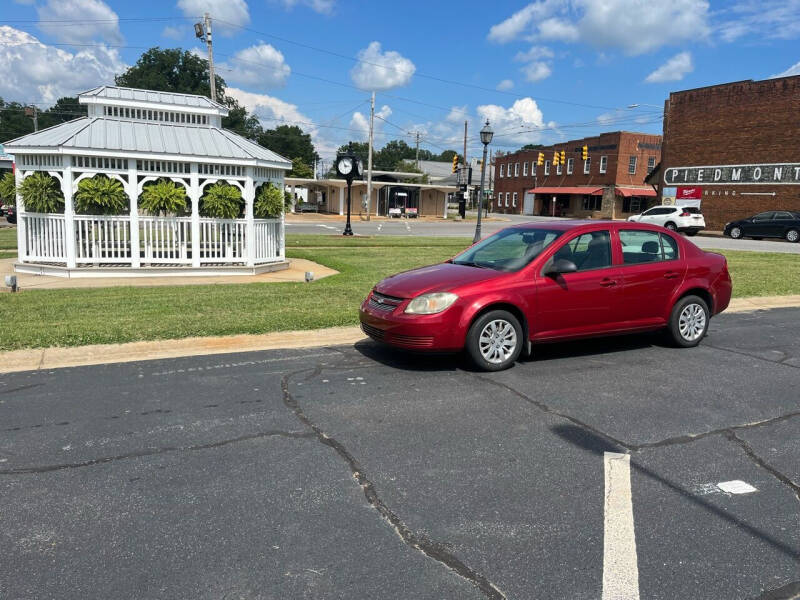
[[544, 71]]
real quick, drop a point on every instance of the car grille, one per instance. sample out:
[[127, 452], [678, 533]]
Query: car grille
[[383, 302], [410, 341], [373, 332]]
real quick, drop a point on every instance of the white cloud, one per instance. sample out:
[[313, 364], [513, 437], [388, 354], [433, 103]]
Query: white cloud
[[35, 72], [324, 7], [793, 70], [536, 71], [173, 33], [521, 122], [776, 19], [260, 66], [360, 122], [633, 26], [535, 53], [672, 70], [104, 25], [457, 114], [381, 70], [505, 85], [226, 15]]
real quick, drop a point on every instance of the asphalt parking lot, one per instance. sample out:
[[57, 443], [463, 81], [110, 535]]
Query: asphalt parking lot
[[589, 471]]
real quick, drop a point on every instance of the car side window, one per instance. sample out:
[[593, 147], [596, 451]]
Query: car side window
[[588, 251], [782, 216], [652, 211], [669, 247], [640, 246], [766, 216]]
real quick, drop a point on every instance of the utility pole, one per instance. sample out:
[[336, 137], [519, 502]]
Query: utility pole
[[203, 31], [32, 111], [465, 155], [417, 134], [369, 153]]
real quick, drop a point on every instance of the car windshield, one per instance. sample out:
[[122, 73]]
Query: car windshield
[[507, 250]]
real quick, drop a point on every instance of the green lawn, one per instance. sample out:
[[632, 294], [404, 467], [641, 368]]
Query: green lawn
[[39, 318], [8, 242]]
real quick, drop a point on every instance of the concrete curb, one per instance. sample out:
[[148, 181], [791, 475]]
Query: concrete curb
[[59, 357]]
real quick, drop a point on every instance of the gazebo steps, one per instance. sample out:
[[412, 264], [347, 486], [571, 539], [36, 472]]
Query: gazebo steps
[[111, 270]]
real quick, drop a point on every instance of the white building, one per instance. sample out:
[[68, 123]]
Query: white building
[[138, 136]]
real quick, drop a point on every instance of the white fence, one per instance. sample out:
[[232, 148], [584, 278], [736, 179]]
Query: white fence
[[162, 240]]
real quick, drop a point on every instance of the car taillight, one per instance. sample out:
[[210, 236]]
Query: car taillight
[[685, 214]]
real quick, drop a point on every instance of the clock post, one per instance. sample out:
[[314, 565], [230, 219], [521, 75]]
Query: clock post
[[349, 166]]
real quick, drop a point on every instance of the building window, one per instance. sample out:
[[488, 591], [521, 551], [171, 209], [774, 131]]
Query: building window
[[547, 167], [516, 170], [603, 164], [558, 169], [525, 169], [592, 202], [506, 198], [502, 170], [570, 164], [651, 164], [632, 204], [632, 165], [587, 165], [514, 200], [533, 169]]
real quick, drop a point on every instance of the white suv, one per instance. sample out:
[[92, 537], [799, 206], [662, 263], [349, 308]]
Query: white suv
[[676, 218]]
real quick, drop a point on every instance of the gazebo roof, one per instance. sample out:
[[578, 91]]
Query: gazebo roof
[[133, 96]]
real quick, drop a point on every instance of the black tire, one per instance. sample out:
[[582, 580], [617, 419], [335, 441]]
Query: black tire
[[736, 233], [684, 329], [691, 233], [793, 236], [671, 226], [12, 220], [478, 350]]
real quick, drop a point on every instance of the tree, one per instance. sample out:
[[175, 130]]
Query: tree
[[221, 201], [392, 153], [531, 147], [409, 166], [8, 190], [447, 156], [289, 141], [101, 195], [300, 169], [269, 202], [170, 70], [41, 193], [163, 197]]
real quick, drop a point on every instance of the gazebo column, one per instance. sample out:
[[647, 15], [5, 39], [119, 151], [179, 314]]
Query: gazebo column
[[294, 199], [341, 200], [249, 196], [22, 253], [69, 216], [132, 189], [194, 198]]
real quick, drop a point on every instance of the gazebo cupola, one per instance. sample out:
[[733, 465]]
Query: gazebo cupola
[[139, 136]]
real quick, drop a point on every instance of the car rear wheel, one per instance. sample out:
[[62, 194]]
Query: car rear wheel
[[671, 226], [792, 235], [736, 233], [494, 340], [688, 322], [691, 233]]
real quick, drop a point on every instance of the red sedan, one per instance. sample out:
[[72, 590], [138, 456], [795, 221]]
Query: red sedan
[[546, 282]]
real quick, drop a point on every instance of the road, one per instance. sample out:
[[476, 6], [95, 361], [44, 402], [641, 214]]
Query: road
[[590, 471], [452, 228]]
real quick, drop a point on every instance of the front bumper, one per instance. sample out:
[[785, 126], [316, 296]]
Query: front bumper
[[436, 333]]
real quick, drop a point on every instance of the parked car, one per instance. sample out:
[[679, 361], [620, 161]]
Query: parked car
[[10, 212], [536, 283], [772, 224], [686, 219]]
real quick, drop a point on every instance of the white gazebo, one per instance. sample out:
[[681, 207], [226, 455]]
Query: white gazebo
[[138, 136]]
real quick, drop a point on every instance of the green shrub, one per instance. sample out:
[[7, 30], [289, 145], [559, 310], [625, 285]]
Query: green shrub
[[41, 193], [269, 202], [221, 201], [8, 190], [101, 195], [163, 197]]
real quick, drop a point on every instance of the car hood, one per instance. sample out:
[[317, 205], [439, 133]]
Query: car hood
[[443, 277]]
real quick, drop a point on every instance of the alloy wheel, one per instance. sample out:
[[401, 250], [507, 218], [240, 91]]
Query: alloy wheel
[[736, 233], [792, 235], [692, 322], [497, 341]]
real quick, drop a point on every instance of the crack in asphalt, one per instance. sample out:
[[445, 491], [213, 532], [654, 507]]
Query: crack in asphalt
[[781, 362], [790, 591], [155, 452], [751, 454], [429, 548]]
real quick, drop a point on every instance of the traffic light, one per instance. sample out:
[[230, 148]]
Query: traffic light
[[563, 159], [455, 163], [585, 152], [555, 158], [540, 159]]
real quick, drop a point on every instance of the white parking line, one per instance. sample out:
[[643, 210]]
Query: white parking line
[[620, 563]]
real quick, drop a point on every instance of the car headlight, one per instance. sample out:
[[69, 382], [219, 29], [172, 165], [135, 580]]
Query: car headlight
[[430, 304]]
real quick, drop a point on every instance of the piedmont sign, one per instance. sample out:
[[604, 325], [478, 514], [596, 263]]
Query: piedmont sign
[[773, 174]]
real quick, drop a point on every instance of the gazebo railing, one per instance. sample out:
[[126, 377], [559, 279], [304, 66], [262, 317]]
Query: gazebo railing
[[162, 240]]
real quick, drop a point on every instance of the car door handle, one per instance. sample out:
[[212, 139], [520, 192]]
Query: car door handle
[[607, 282], [671, 275]]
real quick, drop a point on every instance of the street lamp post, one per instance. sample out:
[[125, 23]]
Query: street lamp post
[[348, 165], [486, 139]]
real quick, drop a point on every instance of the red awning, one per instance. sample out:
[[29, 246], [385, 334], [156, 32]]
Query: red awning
[[627, 192], [590, 191]]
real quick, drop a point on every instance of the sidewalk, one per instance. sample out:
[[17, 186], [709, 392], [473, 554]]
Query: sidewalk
[[56, 358]]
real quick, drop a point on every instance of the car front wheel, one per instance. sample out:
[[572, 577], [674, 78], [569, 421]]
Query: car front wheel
[[736, 233], [494, 340], [688, 322], [792, 235]]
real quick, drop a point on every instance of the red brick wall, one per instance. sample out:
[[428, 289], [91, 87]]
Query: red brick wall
[[747, 122]]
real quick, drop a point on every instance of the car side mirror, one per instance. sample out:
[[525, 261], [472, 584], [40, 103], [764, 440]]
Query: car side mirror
[[559, 266]]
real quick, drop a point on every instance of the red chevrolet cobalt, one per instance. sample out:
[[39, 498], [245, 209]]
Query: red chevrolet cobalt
[[546, 282]]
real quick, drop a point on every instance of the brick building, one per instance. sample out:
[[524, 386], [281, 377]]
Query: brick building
[[611, 184], [734, 147]]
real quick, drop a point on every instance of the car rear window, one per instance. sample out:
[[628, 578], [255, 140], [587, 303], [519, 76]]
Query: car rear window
[[691, 209]]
